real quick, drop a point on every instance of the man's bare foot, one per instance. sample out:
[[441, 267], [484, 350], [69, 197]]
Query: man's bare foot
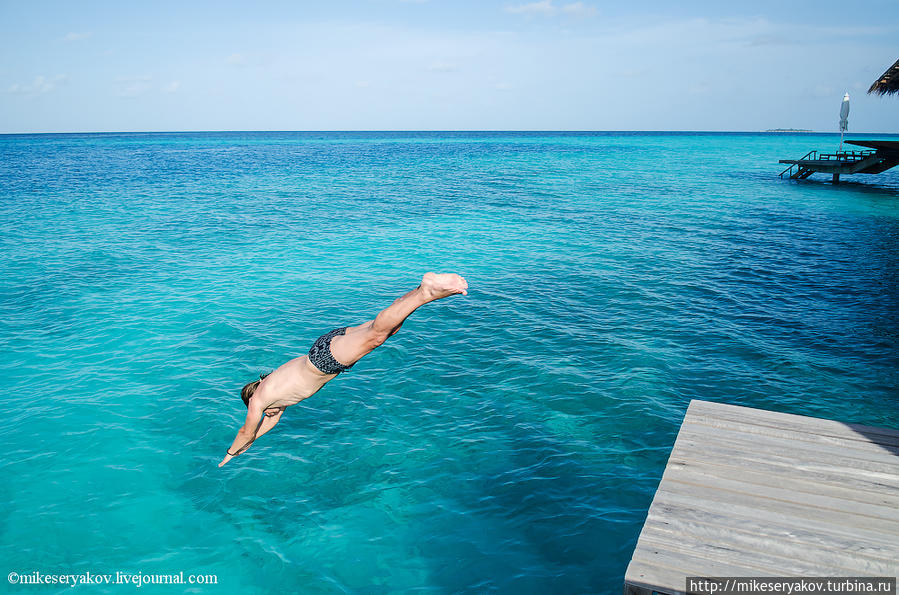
[[436, 286]]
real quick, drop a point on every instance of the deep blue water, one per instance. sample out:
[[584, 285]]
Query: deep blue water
[[509, 441]]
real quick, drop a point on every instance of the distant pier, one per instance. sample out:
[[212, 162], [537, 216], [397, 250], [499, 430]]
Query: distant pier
[[754, 493], [880, 156]]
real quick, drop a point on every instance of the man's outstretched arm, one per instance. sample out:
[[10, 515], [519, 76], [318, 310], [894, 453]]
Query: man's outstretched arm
[[245, 435], [270, 420]]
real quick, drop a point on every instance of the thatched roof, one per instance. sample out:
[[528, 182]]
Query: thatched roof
[[888, 82]]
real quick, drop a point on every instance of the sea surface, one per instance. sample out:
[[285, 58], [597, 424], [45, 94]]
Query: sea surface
[[509, 441]]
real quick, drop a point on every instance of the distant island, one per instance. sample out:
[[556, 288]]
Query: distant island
[[788, 130]]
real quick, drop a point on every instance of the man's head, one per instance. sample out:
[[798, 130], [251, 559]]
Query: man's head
[[249, 389]]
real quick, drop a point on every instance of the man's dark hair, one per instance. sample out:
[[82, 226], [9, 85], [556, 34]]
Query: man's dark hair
[[248, 390]]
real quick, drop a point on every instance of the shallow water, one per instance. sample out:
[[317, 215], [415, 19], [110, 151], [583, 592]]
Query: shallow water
[[509, 441]]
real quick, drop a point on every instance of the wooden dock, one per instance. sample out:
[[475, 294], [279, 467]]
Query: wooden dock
[[879, 156], [749, 492]]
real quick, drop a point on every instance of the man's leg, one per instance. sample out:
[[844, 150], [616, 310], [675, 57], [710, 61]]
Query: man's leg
[[360, 340]]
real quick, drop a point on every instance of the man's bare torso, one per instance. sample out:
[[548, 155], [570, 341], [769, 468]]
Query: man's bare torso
[[294, 381]]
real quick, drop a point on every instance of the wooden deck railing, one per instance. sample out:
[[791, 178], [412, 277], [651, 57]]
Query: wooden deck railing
[[838, 156]]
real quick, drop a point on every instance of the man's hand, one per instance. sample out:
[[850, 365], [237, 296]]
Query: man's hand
[[241, 443], [258, 422]]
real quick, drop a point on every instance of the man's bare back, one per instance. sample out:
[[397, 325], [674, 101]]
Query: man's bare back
[[332, 353]]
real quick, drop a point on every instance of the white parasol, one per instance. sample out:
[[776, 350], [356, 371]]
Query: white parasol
[[844, 118]]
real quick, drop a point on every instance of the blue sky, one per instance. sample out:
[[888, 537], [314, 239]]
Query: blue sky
[[444, 65]]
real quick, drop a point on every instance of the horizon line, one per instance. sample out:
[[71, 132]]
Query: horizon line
[[460, 130]]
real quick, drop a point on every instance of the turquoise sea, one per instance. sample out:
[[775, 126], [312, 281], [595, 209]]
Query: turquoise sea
[[509, 441]]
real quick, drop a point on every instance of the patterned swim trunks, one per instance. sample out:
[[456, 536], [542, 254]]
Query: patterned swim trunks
[[320, 354]]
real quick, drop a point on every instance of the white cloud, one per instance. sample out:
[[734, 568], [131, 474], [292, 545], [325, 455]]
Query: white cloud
[[236, 60], [77, 36], [579, 9], [548, 9], [133, 86], [39, 85], [363, 84], [171, 87], [544, 7]]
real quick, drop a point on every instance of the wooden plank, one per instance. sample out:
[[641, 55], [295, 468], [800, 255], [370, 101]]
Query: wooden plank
[[667, 571], [800, 423], [774, 546], [748, 513], [825, 494], [669, 511], [777, 461], [693, 451], [721, 430], [810, 507], [843, 461], [776, 557], [745, 562], [800, 435], [748, 492]]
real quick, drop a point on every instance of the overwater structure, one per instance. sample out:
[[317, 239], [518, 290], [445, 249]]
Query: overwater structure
[[879, 156]]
